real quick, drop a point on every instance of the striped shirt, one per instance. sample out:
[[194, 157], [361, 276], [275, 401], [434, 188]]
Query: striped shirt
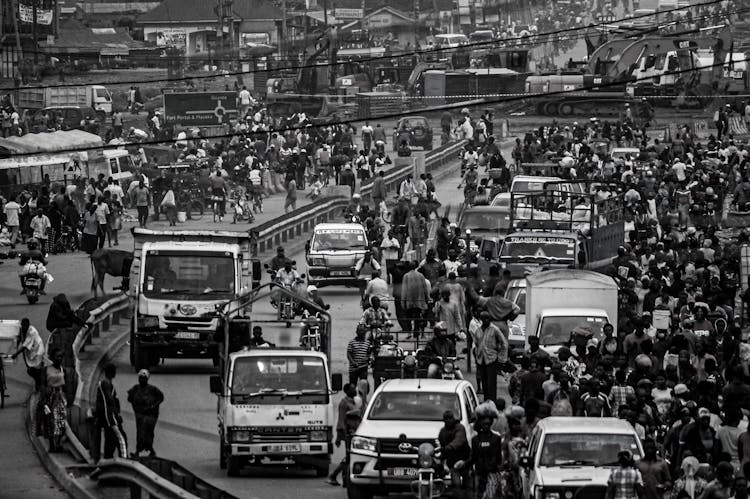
[[358, 353], [491, 345]]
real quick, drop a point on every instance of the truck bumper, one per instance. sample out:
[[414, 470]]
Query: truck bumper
[[169, 345], [308, 453], [386, 474], [325, 276]]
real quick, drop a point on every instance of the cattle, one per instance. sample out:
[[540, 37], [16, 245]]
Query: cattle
[[113, 262]]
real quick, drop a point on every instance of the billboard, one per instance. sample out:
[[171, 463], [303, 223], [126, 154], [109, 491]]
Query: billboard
[[200, 108]]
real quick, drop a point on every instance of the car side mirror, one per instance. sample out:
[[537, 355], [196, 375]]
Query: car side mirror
[[216, 385], [525, 462], [337, 382]]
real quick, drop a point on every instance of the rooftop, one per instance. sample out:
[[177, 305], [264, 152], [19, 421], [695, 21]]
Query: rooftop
[[176, 11]]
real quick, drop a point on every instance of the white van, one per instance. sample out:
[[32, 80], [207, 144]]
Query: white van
[[532, 183], [450, 40], [332, 253], [567, 455]]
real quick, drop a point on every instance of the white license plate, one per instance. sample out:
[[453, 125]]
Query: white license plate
[[402, 472], [340, 273], [31, 282], [187, 336], [284, 448]]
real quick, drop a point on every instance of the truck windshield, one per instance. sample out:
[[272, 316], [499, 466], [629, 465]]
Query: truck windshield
[[586, 449], [338, 239], [268, 379], [209, 275], [414, 406], [486, 220], [545, 248], [556, 330]]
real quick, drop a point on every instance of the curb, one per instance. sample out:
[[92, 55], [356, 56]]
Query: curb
[[71, 486]]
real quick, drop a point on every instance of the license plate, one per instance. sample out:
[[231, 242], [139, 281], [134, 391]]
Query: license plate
[[340, 273], [31, 282], [284, 448], [402, 472], [187, 336]]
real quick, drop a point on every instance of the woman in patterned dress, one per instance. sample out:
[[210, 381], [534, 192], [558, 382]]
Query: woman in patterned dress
[[55, 406]]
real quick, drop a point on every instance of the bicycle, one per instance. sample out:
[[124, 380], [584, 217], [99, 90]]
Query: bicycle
[[193, 207]]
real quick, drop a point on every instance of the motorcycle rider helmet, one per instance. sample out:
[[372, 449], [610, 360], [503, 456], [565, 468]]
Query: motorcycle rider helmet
[[32, 244]]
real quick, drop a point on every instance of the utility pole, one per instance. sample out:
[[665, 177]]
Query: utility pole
[[34, 32], [282, 45], [14, 14]]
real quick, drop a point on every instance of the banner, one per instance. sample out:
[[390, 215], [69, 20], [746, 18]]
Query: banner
[[43, 16]]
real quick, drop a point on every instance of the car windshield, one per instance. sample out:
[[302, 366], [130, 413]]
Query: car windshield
[[412, 123], [528, 185], [265, 380], [480, 36], [486, 220], [558, 248], [209, 275], [518, 296], [414, 406], [586, 449], [338, 239], [501, 201], [556, 330]]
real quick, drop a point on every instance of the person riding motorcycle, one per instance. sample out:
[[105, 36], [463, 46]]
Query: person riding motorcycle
[[441, 345], [279, 260], [286, 277], [33, 264], [356, 209]]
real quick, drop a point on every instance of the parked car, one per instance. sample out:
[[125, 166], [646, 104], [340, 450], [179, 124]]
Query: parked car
[[73, 118], [415, 130]]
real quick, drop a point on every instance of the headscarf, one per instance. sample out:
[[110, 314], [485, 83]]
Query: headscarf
[[689, 468]]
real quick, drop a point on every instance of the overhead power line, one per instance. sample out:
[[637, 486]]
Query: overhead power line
[[525, 40], [447, 107]]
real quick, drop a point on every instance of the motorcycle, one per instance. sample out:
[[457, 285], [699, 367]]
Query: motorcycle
[[310, 338], [448, 367], [429, 483], [32, 275]]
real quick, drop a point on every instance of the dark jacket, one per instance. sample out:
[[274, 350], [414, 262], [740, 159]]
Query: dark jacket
[[486, 452], [107, 405], [61, 316], [454, 443], [145, 400]]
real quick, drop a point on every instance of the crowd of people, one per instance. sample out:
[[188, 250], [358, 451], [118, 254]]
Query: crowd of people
[[676, 365]]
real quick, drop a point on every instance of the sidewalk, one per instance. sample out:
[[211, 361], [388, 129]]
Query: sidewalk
[[21, 471]]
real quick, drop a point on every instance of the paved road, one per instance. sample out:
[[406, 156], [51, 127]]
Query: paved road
[[187, 430]]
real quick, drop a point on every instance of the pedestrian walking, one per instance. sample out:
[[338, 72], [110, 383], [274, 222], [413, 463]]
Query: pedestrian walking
[[90, 229], [486, 453], [625, 482], [347, 404], [102, 218], [40, 226], [11, 211], [358, 355], [53, 401], [290, 203], [32, 347], [415, 298], [141, 200], [108, 419], [490, 348], [145, 399]]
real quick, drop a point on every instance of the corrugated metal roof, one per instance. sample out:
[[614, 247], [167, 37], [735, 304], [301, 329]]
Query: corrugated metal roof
[[175, 11], [47, 142], [75, 38]]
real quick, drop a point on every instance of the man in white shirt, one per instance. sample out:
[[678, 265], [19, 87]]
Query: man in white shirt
[[244, 97], [11, 211], [115, 191], [40, 226], [32, 347], [367, 137], [389, 250], [377, 287]]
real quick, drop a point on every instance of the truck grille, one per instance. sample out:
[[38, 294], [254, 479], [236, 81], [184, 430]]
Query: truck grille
[[590, 492], [391, 462], [390, 446]]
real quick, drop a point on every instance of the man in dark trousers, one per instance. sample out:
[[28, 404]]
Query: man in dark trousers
[[145, 400], [347, 404], [348, 178], [107, 415]]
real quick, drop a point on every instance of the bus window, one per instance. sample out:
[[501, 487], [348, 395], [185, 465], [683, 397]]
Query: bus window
[[113, 166], [127, 164]]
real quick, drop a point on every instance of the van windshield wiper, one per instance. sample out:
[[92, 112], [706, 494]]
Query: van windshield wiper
[[211, 291], [575, 462], [175, 291]]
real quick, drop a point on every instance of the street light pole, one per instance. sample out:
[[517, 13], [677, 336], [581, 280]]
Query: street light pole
[[34, 32]]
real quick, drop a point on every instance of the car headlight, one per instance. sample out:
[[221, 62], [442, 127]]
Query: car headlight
[[318, 436], [239, 436], [148, 321], [364, 443], [317, 261]]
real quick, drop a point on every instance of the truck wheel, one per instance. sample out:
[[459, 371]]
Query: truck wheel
[[357, 492], [142, 358], [322, 471], [132, 342], [233, 466], [101, 116]]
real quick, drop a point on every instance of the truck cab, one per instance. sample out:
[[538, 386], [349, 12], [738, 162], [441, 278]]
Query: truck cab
[[276, 406], [178, 279], [332, 253]]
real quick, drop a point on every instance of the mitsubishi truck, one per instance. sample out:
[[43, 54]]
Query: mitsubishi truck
[[561, 301], [177, 281], [554, 229], [96, 97], [275, 398]]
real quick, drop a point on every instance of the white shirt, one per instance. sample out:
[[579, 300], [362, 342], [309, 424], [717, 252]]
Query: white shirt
[[11, 213], [244, 97], [34, 353], [40, 225], [115, 191], [390, 247]]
